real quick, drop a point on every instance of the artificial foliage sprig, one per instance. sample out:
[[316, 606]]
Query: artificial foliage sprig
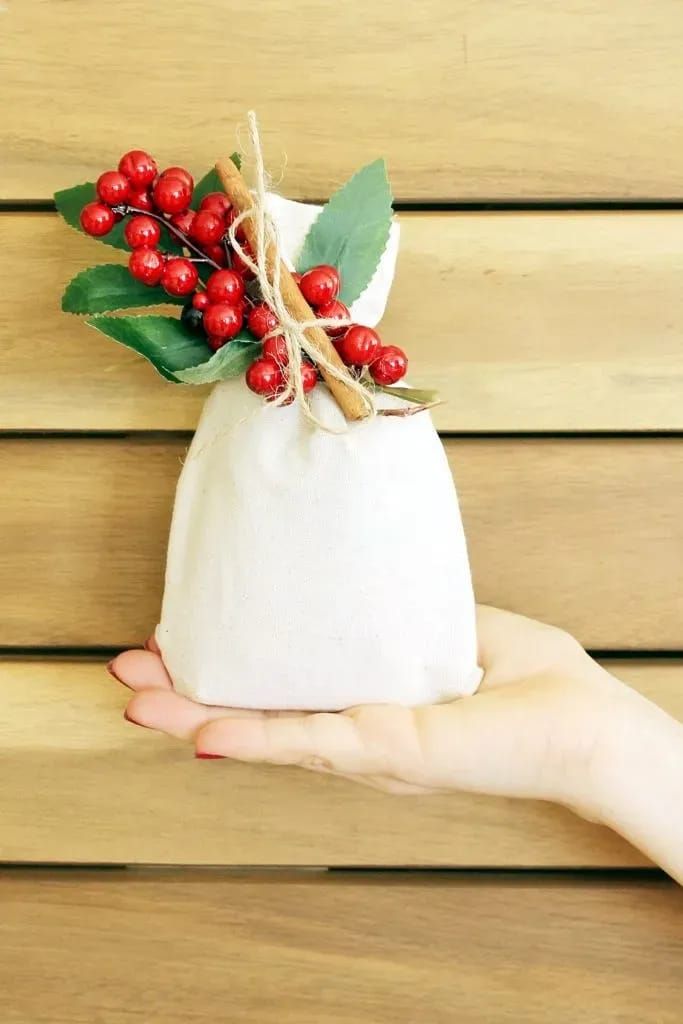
[[180, 254]]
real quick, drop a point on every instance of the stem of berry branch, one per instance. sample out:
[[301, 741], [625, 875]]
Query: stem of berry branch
[[124, 209]]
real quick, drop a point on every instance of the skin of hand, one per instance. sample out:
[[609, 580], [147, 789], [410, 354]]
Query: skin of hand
[[547, 723]]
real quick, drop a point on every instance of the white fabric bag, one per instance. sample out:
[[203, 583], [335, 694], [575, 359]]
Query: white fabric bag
[[313, 570]]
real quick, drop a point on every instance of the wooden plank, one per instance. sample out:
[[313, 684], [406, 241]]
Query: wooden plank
[[277, 951], [102, 790], [466, 100], [523, 321], [584, 533]]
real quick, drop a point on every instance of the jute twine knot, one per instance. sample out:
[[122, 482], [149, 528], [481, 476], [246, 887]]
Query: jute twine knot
[[268, 251]]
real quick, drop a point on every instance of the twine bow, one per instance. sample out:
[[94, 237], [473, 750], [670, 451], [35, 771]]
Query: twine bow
[[266, 265]]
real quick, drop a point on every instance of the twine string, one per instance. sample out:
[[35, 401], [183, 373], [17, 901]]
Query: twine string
[[268, 250]]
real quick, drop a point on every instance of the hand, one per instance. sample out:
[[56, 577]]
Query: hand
[[536, 727]]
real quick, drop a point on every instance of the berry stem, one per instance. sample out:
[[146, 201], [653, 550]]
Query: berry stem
[[124, 209]]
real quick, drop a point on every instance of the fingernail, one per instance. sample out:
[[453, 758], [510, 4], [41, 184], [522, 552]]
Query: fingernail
[[204, 756]]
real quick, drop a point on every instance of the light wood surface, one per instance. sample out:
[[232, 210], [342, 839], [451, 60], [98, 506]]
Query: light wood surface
[[206, 947], [581, 532], [80, 784], [522, 321], [465, 99]]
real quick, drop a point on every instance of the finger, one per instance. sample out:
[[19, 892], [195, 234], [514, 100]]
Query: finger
[[320, 741], [169, 712], [140, 670], [152, 645]]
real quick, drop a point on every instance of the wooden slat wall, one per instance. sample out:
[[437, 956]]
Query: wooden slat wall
[[586, 533], [564, 321], [523, 321], [302, 951], [80, 784], [467, 99]]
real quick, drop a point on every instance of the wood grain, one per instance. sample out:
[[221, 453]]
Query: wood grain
[[522, 321], [81, 785], [467, 100], [87, 946], [584, 533]]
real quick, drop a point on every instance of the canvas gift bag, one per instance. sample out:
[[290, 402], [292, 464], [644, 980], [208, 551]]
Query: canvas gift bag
[[312, 569]]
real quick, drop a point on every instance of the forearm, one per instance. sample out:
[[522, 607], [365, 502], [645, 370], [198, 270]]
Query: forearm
[[641, 782]]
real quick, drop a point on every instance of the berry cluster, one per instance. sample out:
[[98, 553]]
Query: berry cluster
[[359, 347], [220, 306]]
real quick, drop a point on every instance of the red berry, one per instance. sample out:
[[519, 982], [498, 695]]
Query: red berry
[[97, 219], [261, 320], [216, 343], [216, 253], [200, 301], [222, 320], [179, 276], [207, 228], [309, 376], [225, 286], [183, 221], [389, 366], [142, 201], [172, 195], [359, 346], [240, 267], [334, 310], [264, 377], [216, 202], [179, 172], [139, 168], [240, 233], [276, 348], [113, 188], [320, 285], [142, 231], [146, 265]]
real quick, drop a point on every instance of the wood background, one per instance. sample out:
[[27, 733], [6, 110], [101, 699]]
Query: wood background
[[523, 321], [466, 98], [583, 532], [537, 160], [300, 950], [101, 791]]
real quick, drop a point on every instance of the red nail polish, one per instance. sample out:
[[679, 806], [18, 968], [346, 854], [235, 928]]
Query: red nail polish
[[205, 756]]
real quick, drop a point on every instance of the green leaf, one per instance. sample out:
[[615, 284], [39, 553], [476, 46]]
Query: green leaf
[[351, 232], [211, 182], [229, 361], [70, 202], [163, 340], [108, 287], [423, 396]]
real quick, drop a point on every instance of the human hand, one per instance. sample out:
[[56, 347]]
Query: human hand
[[535, 728]]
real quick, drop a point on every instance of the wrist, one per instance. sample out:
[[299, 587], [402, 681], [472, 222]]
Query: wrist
[[637, 778]]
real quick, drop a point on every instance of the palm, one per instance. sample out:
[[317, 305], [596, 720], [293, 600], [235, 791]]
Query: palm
[[512, 738]]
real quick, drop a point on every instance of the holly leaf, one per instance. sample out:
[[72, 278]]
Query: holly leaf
[[229, 361], [163, 340], [109, 286], [211, 182], [352, 230], [70, 202]]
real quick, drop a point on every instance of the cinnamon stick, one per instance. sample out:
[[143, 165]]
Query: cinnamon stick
[[237, 191]]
